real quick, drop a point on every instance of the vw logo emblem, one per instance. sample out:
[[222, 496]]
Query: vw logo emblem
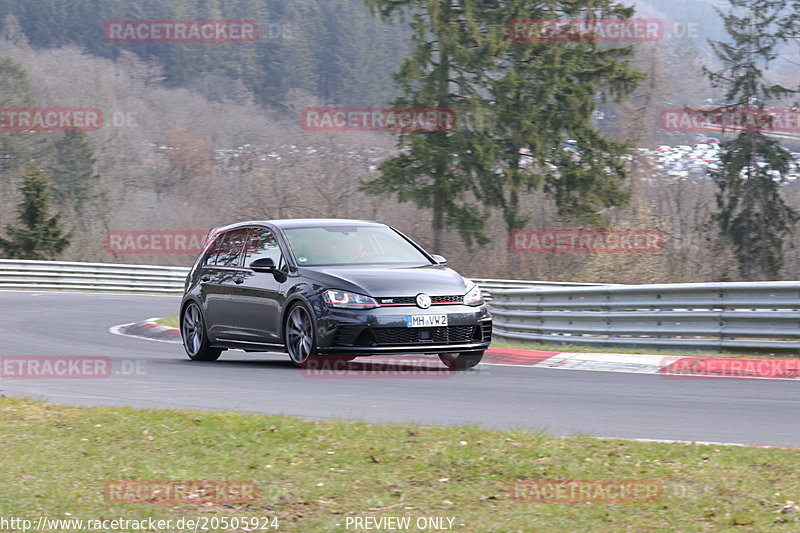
[[423, 300]]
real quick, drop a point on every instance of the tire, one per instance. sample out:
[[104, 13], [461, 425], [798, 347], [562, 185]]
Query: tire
[[461, 361], [195, 336], [299, 334]]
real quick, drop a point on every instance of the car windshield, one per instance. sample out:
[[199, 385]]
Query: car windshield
[[347, 245]]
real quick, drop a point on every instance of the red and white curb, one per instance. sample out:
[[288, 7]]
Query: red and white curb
[[602, 362], [669, 366], [148, 329]]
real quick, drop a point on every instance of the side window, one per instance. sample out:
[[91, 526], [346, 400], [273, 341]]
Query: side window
[[210, 257], [262, 243], [229, 245]]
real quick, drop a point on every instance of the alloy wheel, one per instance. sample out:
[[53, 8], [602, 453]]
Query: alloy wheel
[[192, 329], [299, 334]]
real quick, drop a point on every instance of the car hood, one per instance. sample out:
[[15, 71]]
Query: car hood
[[377, 281]]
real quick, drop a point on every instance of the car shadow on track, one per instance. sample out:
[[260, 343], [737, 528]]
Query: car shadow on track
[[363, 367]]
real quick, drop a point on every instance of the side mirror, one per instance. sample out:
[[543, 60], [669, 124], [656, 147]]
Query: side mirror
[[439, 259], [265, 264]]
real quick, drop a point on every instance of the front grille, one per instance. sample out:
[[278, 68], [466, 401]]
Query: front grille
[[412, 300], [460, 334], [440, 335], [447, 299]]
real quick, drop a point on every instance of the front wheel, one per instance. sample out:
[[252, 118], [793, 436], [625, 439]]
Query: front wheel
[[461, 361], [299, 334], [194, 335]]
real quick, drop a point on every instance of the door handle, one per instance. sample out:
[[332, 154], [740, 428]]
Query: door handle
[[205, 278], [238, 281]]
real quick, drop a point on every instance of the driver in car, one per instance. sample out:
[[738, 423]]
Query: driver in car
[[351, 250]]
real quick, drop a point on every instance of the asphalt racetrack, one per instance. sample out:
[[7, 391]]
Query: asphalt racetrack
[[158, 374]]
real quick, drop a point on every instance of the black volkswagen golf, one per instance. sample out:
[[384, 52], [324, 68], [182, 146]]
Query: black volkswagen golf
[[329, 288]]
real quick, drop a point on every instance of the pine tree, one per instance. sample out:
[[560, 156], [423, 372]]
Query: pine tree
[[291, 62], [540, 94], [363, 79], [509, 96], [74, 178], [41, 236], [16, 148], [751, 212], [438, 74], [12, 33]]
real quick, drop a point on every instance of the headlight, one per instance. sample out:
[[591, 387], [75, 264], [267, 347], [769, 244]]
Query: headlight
[[348, 300], [473, 296]]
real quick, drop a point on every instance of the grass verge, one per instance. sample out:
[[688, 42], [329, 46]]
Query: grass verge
[[171, 321], [314, 476]]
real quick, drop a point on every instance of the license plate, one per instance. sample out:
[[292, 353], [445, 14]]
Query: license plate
[[426, 321]]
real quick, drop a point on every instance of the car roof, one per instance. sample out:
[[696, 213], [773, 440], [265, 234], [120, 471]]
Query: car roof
[[287, 223]]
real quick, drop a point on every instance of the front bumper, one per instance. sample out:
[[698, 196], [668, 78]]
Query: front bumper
[[384, 330]]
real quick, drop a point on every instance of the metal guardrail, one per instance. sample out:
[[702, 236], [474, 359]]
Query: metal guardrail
[[110, 277], [107, 277], [762, 315], [489, 285]]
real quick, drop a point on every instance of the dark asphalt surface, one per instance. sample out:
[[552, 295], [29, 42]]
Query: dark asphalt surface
[[559, 401]]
